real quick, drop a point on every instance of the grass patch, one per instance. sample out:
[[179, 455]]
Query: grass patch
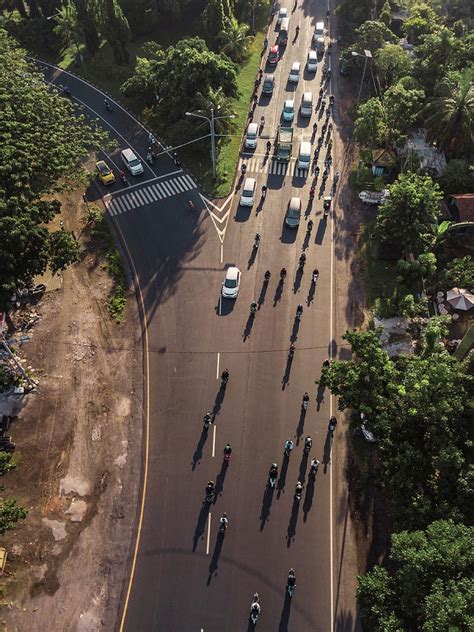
[[117, 298], [380, 276]]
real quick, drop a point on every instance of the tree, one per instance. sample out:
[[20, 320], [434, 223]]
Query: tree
[[67, 25], [450, 119], [36, 121], [233, 40], [6, 462], [86, 17], [392, 63], [116, 30], [419, 409], [370, 128], [423, 20], [372, 35], [439, 52], [63, 250], [10, 514], [457, 273], [386, 14], [401, 108], [213, 19], [416, 273], [409, 216], [458, 177], [431, 585], [193, 71]]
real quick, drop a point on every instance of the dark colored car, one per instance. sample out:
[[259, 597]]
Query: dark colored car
[[268, 84]]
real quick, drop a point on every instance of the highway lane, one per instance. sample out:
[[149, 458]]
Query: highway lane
[[186, 578]]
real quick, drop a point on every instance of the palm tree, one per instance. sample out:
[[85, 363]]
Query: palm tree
[[67, 26], [234, 40], [450, 118], [222, 106]]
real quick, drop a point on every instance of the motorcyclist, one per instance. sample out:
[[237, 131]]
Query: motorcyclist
[[227, 449], [269, 147], [224, 521], [210, 487], [243, 168], [225, 375], [282, 273], [267, 275], [260, 73], [291, 351], [312, 191], [316, 170], [310, 225], [264, 190], [291, 578], [257, 240], [253, 307], [273, 470], [207, 418], [299, 311], [315, 127], [332, 424], [288, 445], [262, 120], [326, 363], [308, 442], [314, 466], [315, 275], [107, 105], [336, 176], [191, 205], [302, 260], [297, 30], [255, 608], [298, 488], [306, 397]]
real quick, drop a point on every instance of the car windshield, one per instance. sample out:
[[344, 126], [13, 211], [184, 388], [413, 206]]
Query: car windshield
[[294, 71], [288, 107], [104, 170], [293, 212], [230, 283], [247, 193], [134, 163], [251, 135]]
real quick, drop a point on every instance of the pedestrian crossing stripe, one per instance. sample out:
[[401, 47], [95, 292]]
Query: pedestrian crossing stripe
[[273, 167], [153, 193]]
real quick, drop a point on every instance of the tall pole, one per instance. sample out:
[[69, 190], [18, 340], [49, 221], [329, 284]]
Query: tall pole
[[362, 81], [213, 145]]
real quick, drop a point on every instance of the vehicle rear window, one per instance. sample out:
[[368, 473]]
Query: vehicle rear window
[[230, 283]]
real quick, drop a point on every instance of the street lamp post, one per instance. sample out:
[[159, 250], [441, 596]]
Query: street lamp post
[[367, 55], [212, 134]]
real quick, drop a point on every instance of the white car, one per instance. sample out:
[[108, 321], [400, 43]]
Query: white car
[[295, 72], [312, 61], [289, 110], [231, 285], [282, 13]]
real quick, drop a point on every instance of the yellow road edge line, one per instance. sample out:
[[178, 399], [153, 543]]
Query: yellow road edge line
[[147, 430]]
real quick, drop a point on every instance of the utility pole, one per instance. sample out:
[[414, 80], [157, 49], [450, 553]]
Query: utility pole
[[212, 133], [367, 55]]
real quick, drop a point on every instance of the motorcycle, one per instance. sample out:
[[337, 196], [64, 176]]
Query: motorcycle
[[313, 470], [305, 403], [253, 309], [223, 525], [309, 228], [307, 444], [209, 495], [298, 492], [256, 243], [206, 420], [315, 277], [291, 583], [255, 609], [311, 193], [272, 480], [299, 313], [288, 451], [332, 424], [302, 262], [226, 458]]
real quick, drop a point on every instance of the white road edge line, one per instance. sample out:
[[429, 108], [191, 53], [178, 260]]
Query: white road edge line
[[222, 252], [214, 441], [208, 533], [218, 362], [331, 329]]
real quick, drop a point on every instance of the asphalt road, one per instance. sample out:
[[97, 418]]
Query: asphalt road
[[185, 576]]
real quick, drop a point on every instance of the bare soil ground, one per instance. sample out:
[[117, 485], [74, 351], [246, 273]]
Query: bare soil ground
[[78, 445]]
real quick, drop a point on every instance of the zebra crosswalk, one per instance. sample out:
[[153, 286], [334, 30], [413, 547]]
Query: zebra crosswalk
[[273, 167], [135, 198]]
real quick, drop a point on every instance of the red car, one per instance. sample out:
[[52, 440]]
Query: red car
[[274, 56]]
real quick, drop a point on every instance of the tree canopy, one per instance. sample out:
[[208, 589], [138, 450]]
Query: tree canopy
[[409, 216], [40, 149]]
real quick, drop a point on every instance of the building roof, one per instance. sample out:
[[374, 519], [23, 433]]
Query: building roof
[[464, 203], [384, 157]]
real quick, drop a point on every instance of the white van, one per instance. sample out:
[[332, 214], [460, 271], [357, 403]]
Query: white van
[[294, 72], [312, 61], [132, 163], [306, 104], [251, 136], [318, 37], [304, 155], [248, 192]]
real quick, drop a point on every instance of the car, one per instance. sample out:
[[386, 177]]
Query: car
[[231, 284], [251, 136], [268, 84], [312, 61], [274, 55], [132, 163], [104, 172], [294, 72], [289, 110], [293, 213], [282, 13]]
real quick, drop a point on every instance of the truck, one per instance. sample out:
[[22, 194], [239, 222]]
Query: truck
[[374, 197], [285, 140], [318, 37]]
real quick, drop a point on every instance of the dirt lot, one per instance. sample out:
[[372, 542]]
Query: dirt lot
[[78, 445]]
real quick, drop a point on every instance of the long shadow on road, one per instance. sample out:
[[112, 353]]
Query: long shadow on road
[[300, 428], [282, 480], [266, 506], [213, 566], [201, 524], [198, 452], [248, 327], [308, 499], [278, 293], [220, 480], [285, 614], [303, 465], [291, 532], [327, 450], [261, 298]]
